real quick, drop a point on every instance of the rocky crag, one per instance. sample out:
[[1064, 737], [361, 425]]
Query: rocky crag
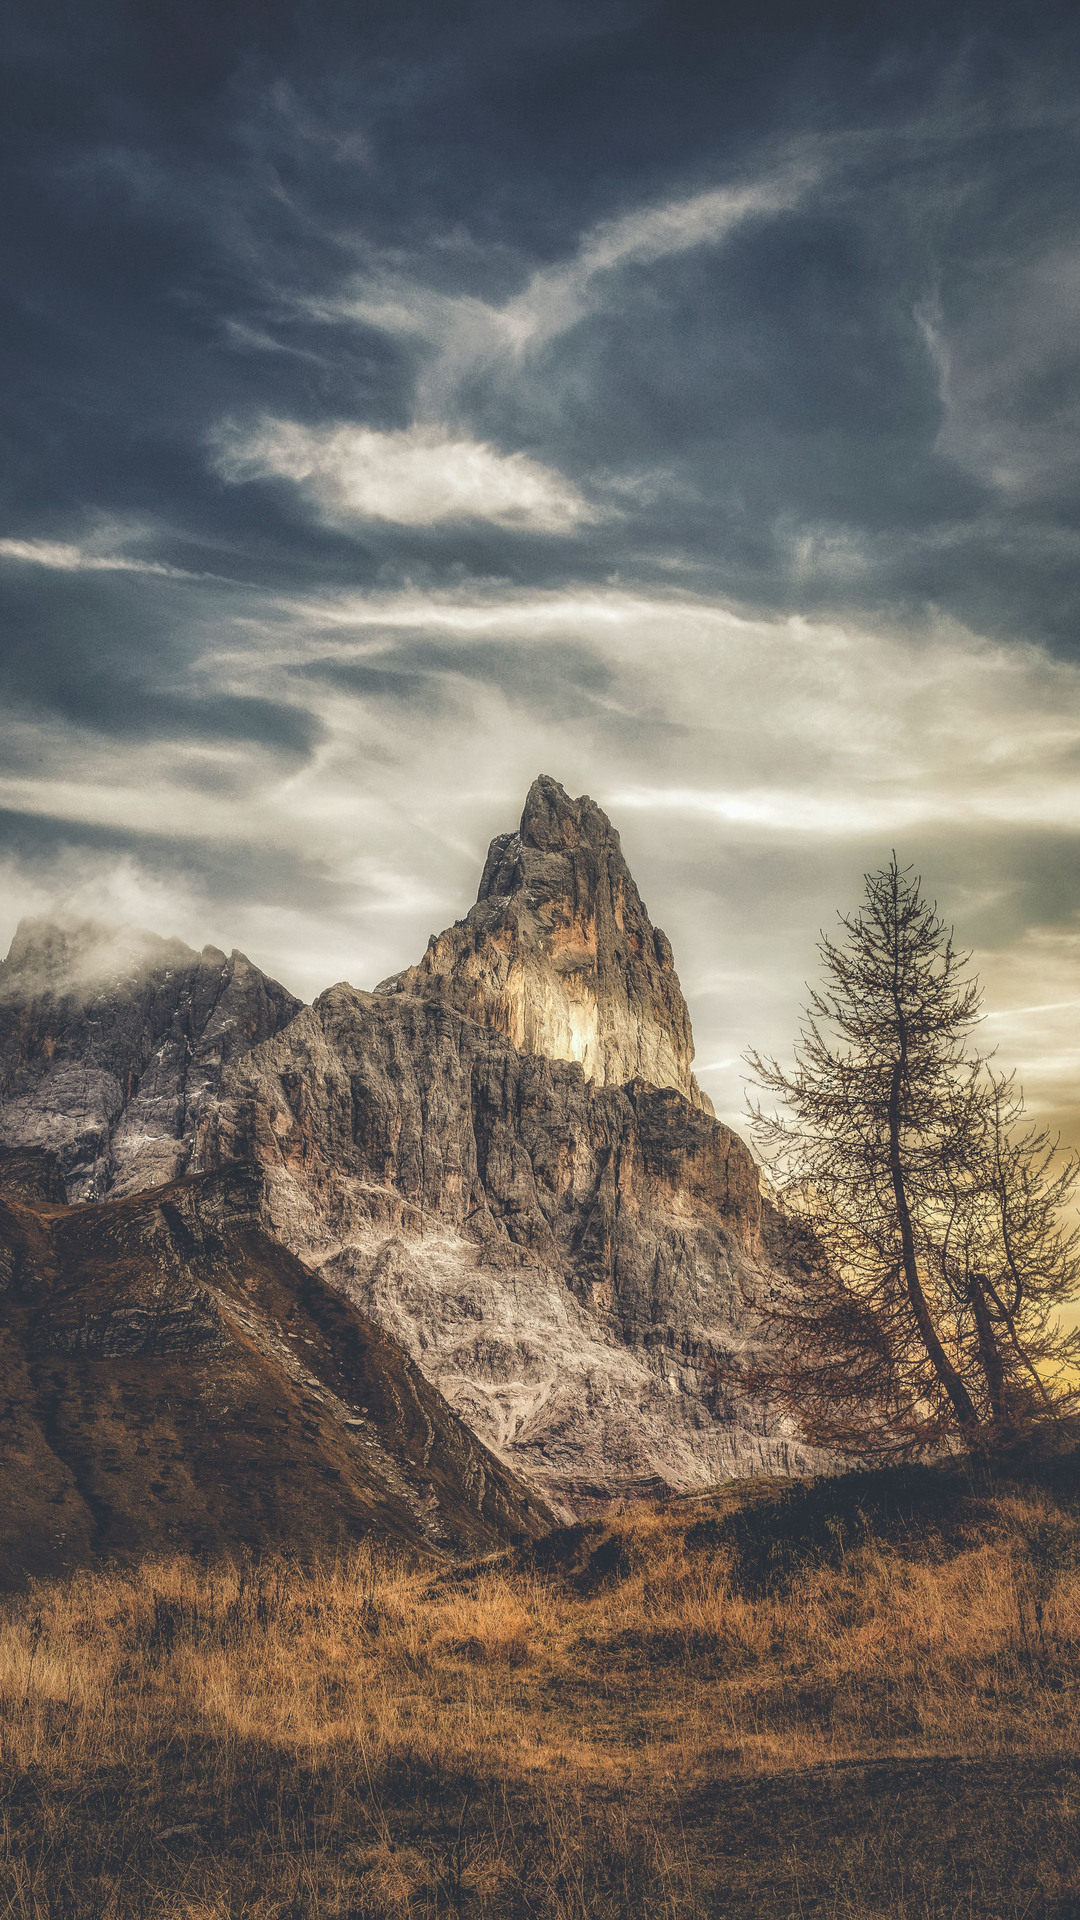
[[500, 1158], [559, 953], [174, 1380], [569, 1263], [112, 1040]]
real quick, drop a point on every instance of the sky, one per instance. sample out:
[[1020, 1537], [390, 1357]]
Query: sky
[[407, 399]]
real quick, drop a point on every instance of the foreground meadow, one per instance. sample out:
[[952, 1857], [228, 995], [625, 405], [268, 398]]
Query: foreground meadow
[[844, 1698]]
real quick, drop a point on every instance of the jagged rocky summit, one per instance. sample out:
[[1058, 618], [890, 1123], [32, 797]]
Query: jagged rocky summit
[[559, 953], [503, 1157], [112, 1040], [500, 1159]]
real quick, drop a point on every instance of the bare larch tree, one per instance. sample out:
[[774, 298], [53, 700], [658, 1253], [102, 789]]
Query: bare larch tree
[[923, 1219]]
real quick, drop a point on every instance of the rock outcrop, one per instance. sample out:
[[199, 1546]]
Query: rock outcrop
[[500, 1159], [568, 1262], [560, 955], [111, 1042], [175, 1380]]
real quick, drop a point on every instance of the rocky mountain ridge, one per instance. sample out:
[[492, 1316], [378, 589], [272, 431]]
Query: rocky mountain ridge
[[500, 1159], [571, 1264], [112, 1040]]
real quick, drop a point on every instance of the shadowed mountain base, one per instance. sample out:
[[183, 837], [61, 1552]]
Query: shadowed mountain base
[[175, 1380]]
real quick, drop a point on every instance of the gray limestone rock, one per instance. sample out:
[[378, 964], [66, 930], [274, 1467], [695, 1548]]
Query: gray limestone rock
[[501, 1157], [111, 1042], [559, 952], [571, 1264]]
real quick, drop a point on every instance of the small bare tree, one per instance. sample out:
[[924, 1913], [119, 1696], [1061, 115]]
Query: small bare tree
[[922, 1221], [1007, 1250]]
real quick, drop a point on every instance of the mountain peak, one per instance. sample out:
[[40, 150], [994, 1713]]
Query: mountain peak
[[559, 952], [551, 820]]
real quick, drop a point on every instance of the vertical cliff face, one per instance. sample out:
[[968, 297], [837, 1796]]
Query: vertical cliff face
[[113, 1039], [560, 955], [501, 1158], [573, 1266]]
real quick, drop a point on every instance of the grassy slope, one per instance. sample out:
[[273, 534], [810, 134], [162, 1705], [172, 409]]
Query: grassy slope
[[851, 1698]]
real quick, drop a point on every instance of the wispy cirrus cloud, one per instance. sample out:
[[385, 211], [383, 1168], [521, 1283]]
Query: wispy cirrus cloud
[[467, 330], [62, 556], [558, 296], [1008, 363], [416, 477]]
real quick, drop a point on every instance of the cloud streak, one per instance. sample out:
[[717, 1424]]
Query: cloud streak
[[63, 556], [417, 477], [556, 298], [467, 332]]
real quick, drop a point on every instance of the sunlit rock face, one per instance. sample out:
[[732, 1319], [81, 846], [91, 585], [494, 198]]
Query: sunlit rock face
[[560, 955], [573, 1266], [501, 1158], [111, 1042]]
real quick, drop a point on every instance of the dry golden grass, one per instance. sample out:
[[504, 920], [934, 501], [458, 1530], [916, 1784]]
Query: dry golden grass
[[748, 1704]]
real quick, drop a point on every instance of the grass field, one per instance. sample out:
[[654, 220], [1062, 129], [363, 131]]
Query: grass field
[[848, 1698]]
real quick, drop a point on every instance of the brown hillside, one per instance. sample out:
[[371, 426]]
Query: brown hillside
[[172, 1379]]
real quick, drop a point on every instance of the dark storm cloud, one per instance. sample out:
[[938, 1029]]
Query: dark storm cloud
[[258, 214], [112, 658]]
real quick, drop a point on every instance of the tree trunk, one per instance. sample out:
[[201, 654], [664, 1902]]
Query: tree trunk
[[962, 1403], [989, 1353]]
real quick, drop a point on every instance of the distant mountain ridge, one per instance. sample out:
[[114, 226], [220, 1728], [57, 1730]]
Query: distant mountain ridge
[[113, 1039]]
